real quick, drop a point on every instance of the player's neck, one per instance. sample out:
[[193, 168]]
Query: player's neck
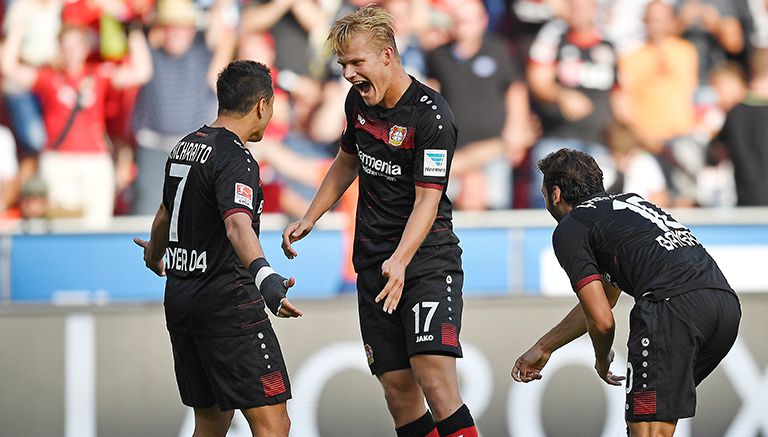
[[400, 83], [237, 126]]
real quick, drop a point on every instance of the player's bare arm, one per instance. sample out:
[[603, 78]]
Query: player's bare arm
[[601, 328], [340, 176], [419, 223], [528, 366], [272, 286], [154, 249]]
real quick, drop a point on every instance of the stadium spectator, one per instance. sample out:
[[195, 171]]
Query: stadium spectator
[[294, 25], [412, 18], [571, 73], [400, 147], [637, 171], [180, 95], [713, 27], [685, 317], [477, 77], [9, 171], [76, 162], [33, 201], [36, 24], [744, 134], [659, 80]]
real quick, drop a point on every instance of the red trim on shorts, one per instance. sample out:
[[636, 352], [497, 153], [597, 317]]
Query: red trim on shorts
[[273, 383], [587, 280], [450, 335], [428, 185], [235, 211], [645, 403], [253, 302]]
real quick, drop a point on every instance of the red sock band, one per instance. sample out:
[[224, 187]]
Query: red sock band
[[470, 431]]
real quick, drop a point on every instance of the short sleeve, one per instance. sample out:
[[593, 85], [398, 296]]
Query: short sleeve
[[574, 253], [236, 181], [348, 136], [434, 146], [545, 45]]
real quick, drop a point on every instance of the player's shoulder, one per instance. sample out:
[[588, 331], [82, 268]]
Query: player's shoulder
[[431, 106]]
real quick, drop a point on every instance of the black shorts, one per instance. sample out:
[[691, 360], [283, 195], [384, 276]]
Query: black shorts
[[673, 345], [428, 317], [237, 372]]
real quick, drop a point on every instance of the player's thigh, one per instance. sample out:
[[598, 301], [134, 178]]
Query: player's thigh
[[269, 420], [662, 349], [382, 333], [652, 429], [432, 302], [211, 421]]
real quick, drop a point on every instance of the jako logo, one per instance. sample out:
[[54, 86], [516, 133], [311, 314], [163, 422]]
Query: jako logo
[[427, 337], [371, 163]]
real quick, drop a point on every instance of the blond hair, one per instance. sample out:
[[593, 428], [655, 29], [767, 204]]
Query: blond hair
[[374, 20]]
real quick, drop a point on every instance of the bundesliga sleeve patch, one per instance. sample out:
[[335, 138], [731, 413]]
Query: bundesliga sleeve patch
[[435, 162], [244, 195]]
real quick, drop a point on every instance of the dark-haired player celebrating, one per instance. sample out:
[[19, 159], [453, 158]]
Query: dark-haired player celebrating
[[225, 352], [399, 140], [685, 317]]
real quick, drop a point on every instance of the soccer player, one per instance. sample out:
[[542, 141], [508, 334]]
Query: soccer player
[[685, 317], [399, 140], [225, 352]]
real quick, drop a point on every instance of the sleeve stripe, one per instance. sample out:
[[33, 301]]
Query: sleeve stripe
[[229, 212], [586, 281], [428, 185]]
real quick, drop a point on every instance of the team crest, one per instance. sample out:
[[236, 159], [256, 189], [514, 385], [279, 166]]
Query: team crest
[[397, 135]]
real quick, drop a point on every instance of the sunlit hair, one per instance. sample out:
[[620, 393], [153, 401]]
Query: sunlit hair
[[374, 20], [576, 173]]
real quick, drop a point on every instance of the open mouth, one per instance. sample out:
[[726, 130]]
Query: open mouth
[[363, 86]]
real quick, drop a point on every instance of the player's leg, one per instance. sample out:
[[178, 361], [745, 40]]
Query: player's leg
[[725, 315], [388, 359], [405, 401], [437, 377], [652, 429], [431, 320], [212, 422], [269, 420]]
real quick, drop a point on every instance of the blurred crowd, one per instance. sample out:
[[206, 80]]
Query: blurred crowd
[[671, 97]]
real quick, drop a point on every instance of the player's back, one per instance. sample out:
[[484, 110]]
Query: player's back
[[639, 247], [209, 175]]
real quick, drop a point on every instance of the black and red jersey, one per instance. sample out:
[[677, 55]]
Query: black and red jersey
[[398, 149], [635, 245], [209, 176]]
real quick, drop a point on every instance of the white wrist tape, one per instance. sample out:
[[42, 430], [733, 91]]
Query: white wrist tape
[[262, 275]]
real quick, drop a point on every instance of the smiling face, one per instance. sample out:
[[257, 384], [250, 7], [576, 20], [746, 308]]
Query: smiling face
[[368, 67]]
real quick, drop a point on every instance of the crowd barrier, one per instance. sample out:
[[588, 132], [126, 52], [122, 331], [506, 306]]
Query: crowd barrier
[[504, 253]]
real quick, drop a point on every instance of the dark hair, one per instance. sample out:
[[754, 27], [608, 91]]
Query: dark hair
[[576, 173], [241, 85]]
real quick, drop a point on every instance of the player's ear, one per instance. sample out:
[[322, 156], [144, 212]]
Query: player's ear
[[388, 55], [555, 195]]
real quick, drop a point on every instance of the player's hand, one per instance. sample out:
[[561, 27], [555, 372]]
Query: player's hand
[[157, 266], [602, 366], [295, 232], [287, 309], [528, 366], [395, 272]]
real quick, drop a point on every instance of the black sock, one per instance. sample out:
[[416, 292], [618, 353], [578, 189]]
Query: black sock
[[418, 428], [460, 419]]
